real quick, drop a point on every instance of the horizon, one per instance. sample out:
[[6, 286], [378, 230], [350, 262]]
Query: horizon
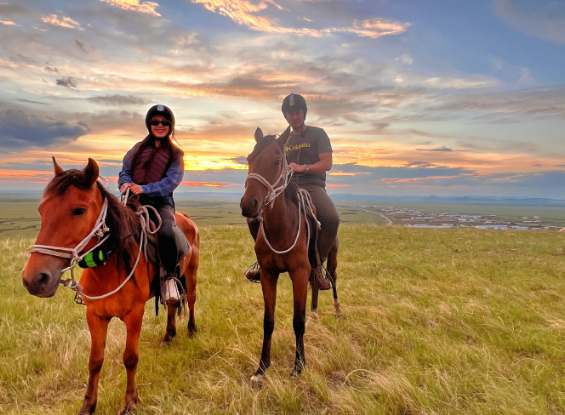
[[456, 99]]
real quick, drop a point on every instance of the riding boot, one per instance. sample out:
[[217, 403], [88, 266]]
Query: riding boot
[[318, 280], [253, 273]]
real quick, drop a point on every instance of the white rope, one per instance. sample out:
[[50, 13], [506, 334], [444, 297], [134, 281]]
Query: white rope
[[304, 203], [99, 230]]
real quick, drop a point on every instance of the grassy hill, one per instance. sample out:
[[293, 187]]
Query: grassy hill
[[456, 321]]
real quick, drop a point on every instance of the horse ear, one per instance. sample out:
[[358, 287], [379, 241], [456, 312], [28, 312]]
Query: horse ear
[[284, 136], [58, 169], [91, 172], [258, 134]]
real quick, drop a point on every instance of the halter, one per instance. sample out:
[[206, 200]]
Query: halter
[[304, 202], [273, 192], [99, 230]]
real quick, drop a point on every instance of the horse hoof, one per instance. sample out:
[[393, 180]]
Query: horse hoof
[[257, 380], [313, 318]]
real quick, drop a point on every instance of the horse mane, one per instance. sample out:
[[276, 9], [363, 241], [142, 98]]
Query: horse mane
[[123, 222], [261, 144]]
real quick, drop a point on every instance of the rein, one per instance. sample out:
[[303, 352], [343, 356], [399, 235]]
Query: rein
[[304, 203], [98, 231]]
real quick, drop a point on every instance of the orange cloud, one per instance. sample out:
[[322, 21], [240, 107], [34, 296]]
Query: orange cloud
[[421, 179], [66, 22], [25, 176], [243, 12], [337, 185], [147, 7], [206, 184]]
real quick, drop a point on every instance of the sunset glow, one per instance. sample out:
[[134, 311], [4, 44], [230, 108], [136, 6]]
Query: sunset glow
[[414, 99]]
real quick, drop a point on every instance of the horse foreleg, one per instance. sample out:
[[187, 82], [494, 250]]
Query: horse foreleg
[[269, 286], [131, 356], [98, 330], [300, 293]]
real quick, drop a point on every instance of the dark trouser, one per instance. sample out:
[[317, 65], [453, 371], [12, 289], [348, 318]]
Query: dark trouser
[[327, 216], [166, 236]]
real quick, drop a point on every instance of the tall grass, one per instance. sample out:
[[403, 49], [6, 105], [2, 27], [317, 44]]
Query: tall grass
[[435, 322]]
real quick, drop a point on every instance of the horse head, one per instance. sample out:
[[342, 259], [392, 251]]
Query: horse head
[[267, 172], [69, 210]]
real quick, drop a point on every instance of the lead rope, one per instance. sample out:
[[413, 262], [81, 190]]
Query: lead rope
[[304, 203]]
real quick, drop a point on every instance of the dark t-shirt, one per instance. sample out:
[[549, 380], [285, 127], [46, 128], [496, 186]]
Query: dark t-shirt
[[305, 148]]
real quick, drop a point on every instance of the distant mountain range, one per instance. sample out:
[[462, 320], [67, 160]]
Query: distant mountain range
[[464, 200]]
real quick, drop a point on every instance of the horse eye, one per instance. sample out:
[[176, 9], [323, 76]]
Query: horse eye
[[79, 211], [278, 162]]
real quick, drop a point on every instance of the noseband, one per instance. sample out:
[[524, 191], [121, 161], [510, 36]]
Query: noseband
[[73, 254], [272, 191]]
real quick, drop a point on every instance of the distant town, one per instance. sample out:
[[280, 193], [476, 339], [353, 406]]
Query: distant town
[[422, 219]]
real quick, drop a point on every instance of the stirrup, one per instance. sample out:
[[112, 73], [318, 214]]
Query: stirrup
[[253, 273], [319, 278], [171, 294]]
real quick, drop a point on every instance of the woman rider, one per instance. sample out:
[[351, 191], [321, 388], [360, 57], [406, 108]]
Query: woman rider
[[153, 169], [309, 153]]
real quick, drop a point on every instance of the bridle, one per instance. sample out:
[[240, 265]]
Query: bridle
[[304, 202], [99, 230]]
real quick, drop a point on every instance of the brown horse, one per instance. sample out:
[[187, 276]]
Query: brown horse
[[283, 240], [77, 214]]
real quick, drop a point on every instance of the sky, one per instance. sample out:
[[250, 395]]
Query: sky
[[419, 98]]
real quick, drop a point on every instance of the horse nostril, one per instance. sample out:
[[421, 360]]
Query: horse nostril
[[43, 278], [26, 283]]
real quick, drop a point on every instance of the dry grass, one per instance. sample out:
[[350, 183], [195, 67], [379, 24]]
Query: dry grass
[[435, 322]]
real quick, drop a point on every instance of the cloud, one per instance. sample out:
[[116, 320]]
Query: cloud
[[67, 82], [434, 149], [118, 100], [20, 130], [247, 14], [28, 101], [545, 20], [81, 46], [147, 7], [65, 22]]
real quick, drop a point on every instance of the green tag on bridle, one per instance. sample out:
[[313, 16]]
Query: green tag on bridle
[[93, 259]]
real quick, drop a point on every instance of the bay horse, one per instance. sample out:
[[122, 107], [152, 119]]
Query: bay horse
[[282, 244], [77, 214]]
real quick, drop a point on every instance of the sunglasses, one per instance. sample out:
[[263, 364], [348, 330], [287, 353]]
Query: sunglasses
[[164, 123]]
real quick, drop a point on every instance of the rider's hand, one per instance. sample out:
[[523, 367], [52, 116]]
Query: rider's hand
[[125, 187], [297, 168], [136, 189]]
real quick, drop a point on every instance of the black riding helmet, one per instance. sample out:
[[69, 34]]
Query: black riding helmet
[[162, 110], [294, 103]]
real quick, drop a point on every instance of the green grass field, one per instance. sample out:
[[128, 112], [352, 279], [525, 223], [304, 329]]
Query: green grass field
[[455, 321]]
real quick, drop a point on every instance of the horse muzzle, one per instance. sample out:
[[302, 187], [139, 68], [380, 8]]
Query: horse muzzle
[[41, 281], [250, 207]]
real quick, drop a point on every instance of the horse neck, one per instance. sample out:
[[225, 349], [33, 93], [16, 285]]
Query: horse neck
[[282, 218]]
